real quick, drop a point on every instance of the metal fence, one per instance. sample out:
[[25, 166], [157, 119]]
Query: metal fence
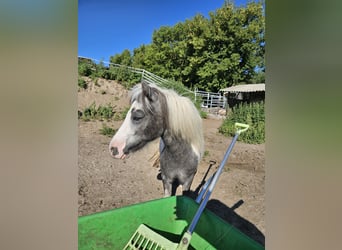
[[210, 99], [145, 75]]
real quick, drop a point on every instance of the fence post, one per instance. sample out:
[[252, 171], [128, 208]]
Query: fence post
[[208, 96], [143, 74]]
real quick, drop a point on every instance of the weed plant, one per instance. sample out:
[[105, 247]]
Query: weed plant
[[252, 114]]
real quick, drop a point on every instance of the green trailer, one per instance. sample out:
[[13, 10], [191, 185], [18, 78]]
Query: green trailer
[[168, 217]]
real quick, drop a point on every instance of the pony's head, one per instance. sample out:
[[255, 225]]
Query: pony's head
[[145, 121]]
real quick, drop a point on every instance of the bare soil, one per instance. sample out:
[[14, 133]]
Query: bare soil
[[106, 183]]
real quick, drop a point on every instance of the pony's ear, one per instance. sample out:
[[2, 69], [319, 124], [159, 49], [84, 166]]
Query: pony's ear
[[149, 91]]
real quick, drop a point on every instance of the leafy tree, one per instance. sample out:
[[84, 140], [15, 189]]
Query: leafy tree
[[85, 67], [208, 53], [124, 58]]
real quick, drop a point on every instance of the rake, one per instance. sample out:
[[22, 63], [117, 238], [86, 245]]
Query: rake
[[145, 238]]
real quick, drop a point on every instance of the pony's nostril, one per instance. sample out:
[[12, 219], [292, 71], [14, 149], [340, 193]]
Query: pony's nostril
[[114, 150]]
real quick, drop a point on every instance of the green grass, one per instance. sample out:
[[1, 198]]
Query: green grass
[[108, 131], [101, 112], [107, 112], [82, 83], [252, 114]]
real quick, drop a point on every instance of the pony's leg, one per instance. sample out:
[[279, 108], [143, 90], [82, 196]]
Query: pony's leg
[[187, 183], [167, 186], [167, 190]]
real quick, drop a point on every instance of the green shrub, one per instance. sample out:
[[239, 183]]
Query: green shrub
[[101, 112], [203, 114], [82, 83], [252, 114], [84, 69], [105, 130], [105, 112], [89, 112], [123, 75]]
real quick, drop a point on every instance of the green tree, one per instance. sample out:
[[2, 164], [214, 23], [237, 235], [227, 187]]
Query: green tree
[[208, 53], [124, 58]]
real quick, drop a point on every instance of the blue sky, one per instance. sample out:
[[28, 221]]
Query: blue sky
[[107, 27]]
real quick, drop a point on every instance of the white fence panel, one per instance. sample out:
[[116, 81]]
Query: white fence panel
[[210, 99]]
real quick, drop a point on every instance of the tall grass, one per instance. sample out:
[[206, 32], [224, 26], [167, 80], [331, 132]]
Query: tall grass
[[100, 112], [252, 114], [108, 131], [92, 112], [82, 83]]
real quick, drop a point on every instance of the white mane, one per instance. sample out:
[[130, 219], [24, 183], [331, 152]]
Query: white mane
[[185, 120]]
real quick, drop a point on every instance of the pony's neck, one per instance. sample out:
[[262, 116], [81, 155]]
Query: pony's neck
[[170, 142]]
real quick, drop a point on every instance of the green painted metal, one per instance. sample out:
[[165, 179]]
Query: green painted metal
[[168, 217]]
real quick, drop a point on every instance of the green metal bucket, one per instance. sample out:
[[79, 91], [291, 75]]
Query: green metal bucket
[[167, 217]]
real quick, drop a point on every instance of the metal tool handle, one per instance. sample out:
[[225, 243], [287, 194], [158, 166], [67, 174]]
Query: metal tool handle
[[185, 241], [213, 180], [240, 127]]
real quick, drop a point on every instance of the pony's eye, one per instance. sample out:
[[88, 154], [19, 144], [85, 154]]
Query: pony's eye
[[137, 115]]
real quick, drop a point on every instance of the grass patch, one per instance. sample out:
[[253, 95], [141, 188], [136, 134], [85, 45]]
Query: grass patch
[[203, 114], [82, 83], [101, 112], [107, 112], [107, 131]]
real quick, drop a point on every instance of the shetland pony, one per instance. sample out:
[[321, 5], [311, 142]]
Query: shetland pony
[[157, 112]]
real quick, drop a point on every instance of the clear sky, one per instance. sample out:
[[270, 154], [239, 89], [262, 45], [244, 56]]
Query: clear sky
[[107, 27]]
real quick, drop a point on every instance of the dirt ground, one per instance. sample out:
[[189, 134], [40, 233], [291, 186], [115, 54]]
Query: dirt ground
[[106, 183]]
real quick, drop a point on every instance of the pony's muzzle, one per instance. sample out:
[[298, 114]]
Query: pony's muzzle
[[118, 143], [114, 151], [117, 153]]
